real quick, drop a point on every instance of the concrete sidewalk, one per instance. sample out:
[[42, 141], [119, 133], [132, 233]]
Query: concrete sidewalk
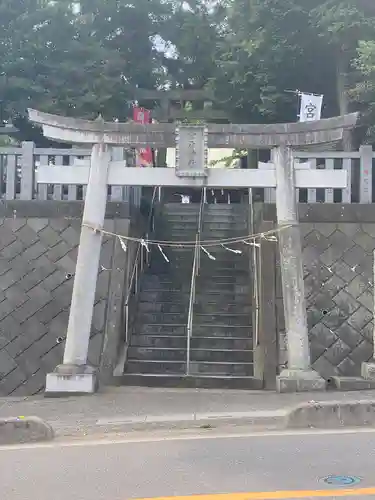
[[131, 408]]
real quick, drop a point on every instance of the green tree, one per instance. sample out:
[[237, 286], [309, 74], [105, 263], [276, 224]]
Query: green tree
[[344, 27], [363, 92], [270, 46], [78, 64], [192, 34]]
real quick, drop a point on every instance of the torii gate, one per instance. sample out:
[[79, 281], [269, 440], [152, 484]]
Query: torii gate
[[191, 142]]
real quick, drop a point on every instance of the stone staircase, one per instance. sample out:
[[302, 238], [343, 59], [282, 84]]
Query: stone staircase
[[158, 343], [222, 323], [221, 345]]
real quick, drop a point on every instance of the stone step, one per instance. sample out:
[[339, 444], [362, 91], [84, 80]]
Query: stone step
[[223, 318], [190, 214], [205, 237], [151, 366], [202, 307], [224, 221], [164, 307], [180, 342], [156, 354], [177, 236], [161, 329], [238, 277], [166, 287], [224, 252], [224, 287], [227, 219], [222, 369], [167, 218], [219, 272], [235, 279], [177, 205], [178, 354], [163, 296], [158, 270], [208, 208], [170, 218], [218, 263], [208, 288], [209, 296], [214, 233], [211, 209], [175, 278], [183, 381], [222, 262], [229, 228], [176, 341], [162, 267], [221, 307], [207, 270], [196, 368], [170, 232], [220, 330], [221, 343], [175, 254], [167, 273], [221, 356], [224, 209], [214, 296], [209, 224], [160, 318], [181, 279], [208, 267]]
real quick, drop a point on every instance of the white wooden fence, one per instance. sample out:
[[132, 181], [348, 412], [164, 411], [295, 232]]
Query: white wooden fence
[[359, 166], [19, 164]]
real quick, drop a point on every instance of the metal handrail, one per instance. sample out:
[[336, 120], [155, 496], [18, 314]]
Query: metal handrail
[[141, 258], [256, 260], [194, 274]]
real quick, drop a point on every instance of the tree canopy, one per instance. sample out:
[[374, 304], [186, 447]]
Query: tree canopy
[[82, 58]]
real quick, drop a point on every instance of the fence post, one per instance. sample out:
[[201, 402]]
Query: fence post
[[365, 174], [11, 177], [27, 171]]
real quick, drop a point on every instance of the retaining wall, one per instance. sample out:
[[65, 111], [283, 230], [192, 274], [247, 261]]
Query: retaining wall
[[38, 252], [338, 243]]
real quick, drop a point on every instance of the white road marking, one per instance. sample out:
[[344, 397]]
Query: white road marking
[[152, 438]]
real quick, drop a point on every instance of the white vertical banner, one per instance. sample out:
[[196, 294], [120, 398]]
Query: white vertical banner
[[311, 107]]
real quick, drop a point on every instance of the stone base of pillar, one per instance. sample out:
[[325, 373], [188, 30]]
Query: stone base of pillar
[[352, 384], [368, 370], [300, 381], [71, 379]]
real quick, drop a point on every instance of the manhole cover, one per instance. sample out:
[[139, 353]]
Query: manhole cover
[[341, 480]]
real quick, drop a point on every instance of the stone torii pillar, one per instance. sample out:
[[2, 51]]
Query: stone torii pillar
[[74, 375], [298, 376]]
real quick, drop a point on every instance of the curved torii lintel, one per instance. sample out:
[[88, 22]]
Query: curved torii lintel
[[75, 130]]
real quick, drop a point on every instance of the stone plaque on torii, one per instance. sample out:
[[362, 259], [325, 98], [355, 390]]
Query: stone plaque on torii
[[191, 142]]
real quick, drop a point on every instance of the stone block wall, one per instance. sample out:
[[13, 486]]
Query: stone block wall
[[338, 244], [38, 252]]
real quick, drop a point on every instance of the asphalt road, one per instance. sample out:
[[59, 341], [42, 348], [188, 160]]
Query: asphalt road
[[156, 466]]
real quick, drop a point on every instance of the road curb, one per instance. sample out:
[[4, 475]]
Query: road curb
[[332, 414], [262, 420], [18, 430]]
